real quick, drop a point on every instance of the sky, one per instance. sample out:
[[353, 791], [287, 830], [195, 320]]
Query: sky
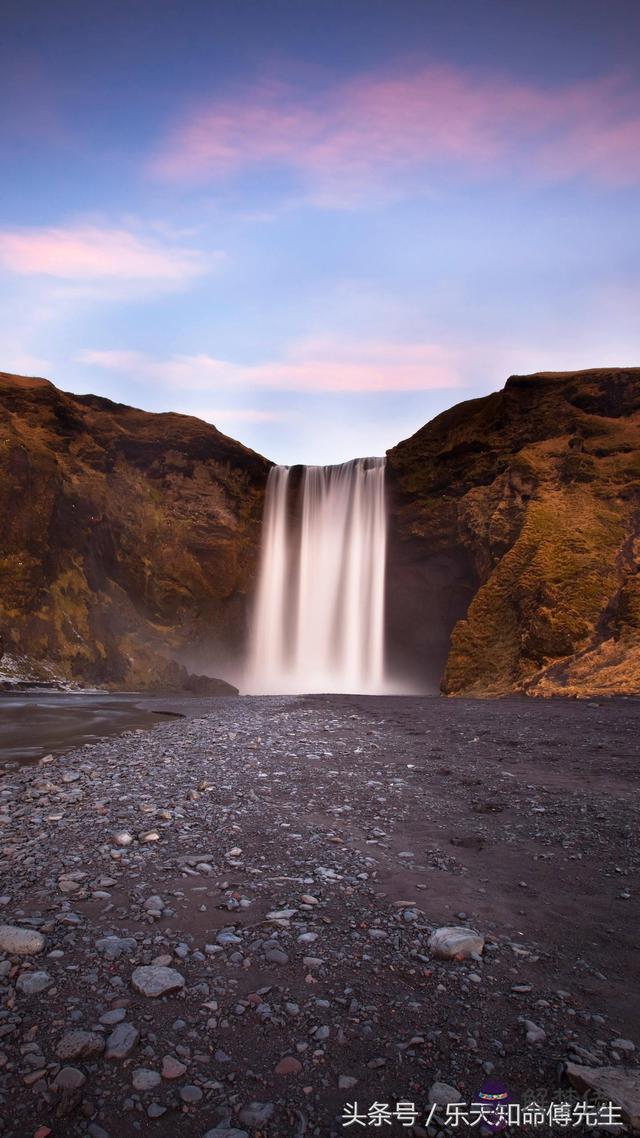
[[317, 223]]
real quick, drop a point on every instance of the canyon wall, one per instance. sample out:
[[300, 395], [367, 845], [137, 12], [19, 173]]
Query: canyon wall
[[516, 520], [128, 540]]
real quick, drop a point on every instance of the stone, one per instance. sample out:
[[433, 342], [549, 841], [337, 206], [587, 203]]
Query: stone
[[225, 937], [115, 1015], [69, 1079], [346, 1082], [30, 983], [288, 1066], [156, 1110], [276, 956], [16, 941], [155, 980], [80, 1045], [535, 1034], [441, 1094], [122, 1041], [256, 1113], [623, 1045], [452, 942], [96, 1131], [172, 1068], [190, 1094], [612, 1085], [114, 946], [225, 1132], [144, 1079]]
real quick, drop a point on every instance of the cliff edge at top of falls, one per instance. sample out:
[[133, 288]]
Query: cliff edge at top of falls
[[128, 540], [526, 505]]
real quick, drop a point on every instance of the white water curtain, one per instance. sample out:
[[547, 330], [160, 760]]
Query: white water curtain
[[318, 623]]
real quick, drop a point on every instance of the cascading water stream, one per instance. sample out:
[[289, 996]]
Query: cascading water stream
[[318, 623]]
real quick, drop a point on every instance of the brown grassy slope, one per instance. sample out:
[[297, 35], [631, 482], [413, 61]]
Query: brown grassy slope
[[540, 483], [124, 535]]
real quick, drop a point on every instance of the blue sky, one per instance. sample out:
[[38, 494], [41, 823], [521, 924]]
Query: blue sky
[[317, 223]]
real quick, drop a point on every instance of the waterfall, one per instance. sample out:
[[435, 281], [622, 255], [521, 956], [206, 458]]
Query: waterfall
[[318, 622]]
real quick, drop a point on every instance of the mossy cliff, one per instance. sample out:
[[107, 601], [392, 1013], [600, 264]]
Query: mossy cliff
[[128, 540], [535, 491]]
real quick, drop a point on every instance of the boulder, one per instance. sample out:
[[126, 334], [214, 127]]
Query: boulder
[[80, 1045], [32, 983], [21, 942], [155, 980], [452, 942], [612, 1084]]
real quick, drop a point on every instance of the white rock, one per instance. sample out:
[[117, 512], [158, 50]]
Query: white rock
[[452, 942], [31, 983], [154, 980], [21, 942], [535, 1034], [145, 1080]]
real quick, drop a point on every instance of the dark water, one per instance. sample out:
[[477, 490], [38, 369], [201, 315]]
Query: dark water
[[33, 724]]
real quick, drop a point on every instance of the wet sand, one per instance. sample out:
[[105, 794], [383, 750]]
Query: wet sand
[[36, 723]]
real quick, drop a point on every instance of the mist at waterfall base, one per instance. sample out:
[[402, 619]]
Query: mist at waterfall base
[[319, 618]]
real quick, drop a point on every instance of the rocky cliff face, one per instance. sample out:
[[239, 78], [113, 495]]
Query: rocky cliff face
[[516, 524], [128, 540]]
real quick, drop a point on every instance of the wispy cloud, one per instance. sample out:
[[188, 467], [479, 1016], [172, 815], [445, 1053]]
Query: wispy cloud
[[370, 129], [95, 253], [317, 365]]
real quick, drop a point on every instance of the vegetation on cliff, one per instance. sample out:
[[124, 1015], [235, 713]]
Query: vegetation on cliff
[[539, 485], [128, 540]]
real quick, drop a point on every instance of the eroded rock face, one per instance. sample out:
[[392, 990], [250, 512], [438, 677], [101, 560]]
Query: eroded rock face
[[515, 537], [126, 538]]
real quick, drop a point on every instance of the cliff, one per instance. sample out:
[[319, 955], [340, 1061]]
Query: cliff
[[521, 511], [128, 540]]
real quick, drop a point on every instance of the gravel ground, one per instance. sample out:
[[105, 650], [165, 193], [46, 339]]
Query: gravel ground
[[288, 860]]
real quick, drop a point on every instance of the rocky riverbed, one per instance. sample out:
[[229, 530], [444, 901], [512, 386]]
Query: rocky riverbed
[[227, 923]]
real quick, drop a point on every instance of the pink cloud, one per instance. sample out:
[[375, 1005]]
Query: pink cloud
[[312, 365], [371, 128], [90, 252]]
